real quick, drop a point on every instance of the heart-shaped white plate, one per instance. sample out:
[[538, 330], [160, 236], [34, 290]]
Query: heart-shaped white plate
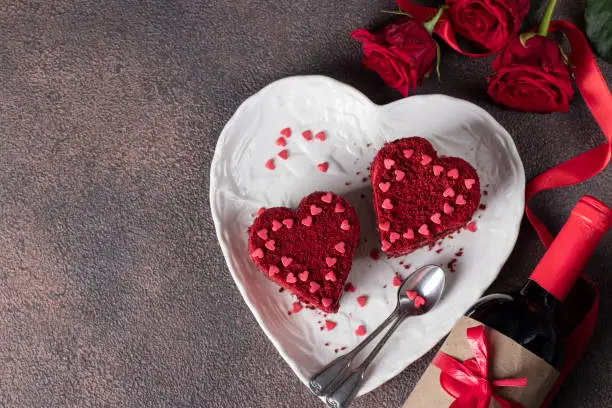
[[356, 128]]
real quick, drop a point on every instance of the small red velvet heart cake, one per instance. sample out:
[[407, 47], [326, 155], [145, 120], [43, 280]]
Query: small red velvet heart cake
[[419, 197], [308, 251]]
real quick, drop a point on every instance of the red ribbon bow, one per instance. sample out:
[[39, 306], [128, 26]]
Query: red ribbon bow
[[468, 381]]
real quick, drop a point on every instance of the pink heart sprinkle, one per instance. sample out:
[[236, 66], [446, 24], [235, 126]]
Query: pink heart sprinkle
[[425, 159], [386, 204], [361, 330], [327, 198], [345, 225], [288, 223], [436, 218], [321, 136], [323, 167], [408, 234], [286, 261], [307, 221], [471, 226], [408, 153], [258, 253], [290, 278], [384, 226], [303, 276], [314, 286], [330, 261], [262, 233], [396, 281], [329, 325], [276, 225], [340, 247], [283, 154], [469, 183], [412, 294], [307, 135], [339, 208], [314, 210], [399, 175], [270, 164], [281, 142], [384, 187], [449, 192], [385, 245], [296, 307], [424, 230], [271, 245], [454, 174], [362, 300], [418, 302], [388, 163], [437, 170], [448, 208], [273, 270], [460, 200], [286, 132], [394, 236], [260, 211], [330, 276]]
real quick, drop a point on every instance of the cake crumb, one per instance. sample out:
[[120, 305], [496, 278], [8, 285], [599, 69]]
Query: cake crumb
[[451, 265], [482, 206], [375, 254]]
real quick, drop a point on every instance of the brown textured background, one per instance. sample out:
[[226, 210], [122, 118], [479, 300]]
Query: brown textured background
[[113, 291]]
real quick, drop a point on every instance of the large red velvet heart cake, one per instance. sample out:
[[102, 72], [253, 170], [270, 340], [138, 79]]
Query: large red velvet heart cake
[[308, 251], [418, 196]]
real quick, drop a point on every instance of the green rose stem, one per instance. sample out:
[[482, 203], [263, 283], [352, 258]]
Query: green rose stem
[[430, 26], [545, 23]]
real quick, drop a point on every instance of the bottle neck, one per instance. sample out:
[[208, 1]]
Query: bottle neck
[[535, 294]]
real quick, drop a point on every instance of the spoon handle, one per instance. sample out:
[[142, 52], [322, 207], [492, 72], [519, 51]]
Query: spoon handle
[[343, 395], [323, 381]]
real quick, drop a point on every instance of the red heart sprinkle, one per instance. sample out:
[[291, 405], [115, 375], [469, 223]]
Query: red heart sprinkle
[[307, 221], [339, 208], [262, 233], [362, 300], [449, 192], [424, 230], [394, 236], [314, 210], [303, 276], [436, 218], [399, 175], [258, 253], [291, 278], [412, 294], [340, 247], [283, 154], [408, 153], [330, 276], [314, 286], [460, 200], [425, 159], [418, 302], [270, 245], [281, 142], [307, 135], [384, 187], [296, 307], [386, 204], [454, 174], [384, 226], [288, 223], [327, 198], [396, 281], [469, 183], [385, 245], [321, 136], [471, 226], [330, 261], [345, 226], [349, 287], [323, 167], [273, 269], [448, 208], [437, 170], [388, 163], [270, 164], [286, 260], [276, 225], [329, 325], [286, 132], [408, 234], [361, 330]]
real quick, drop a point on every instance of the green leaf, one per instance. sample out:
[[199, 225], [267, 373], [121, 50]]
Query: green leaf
[[598, 21]]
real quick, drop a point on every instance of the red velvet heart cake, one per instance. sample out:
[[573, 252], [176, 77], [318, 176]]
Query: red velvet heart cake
[[309, 251], [419, 197]]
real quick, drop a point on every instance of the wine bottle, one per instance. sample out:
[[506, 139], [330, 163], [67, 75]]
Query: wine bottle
[[528, 316]]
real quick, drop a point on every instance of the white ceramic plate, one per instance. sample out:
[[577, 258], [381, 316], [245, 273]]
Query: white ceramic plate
[[356, 128]]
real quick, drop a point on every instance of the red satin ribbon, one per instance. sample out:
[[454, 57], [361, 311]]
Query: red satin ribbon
[[468, 381]]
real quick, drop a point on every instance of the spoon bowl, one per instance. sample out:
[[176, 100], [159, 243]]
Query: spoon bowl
[[422, 290]]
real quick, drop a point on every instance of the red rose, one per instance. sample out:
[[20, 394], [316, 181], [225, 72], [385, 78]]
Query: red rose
[[532, 78], [402, 53], [488, 23]]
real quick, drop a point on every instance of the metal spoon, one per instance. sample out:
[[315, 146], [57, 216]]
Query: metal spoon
[[428, 283]]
